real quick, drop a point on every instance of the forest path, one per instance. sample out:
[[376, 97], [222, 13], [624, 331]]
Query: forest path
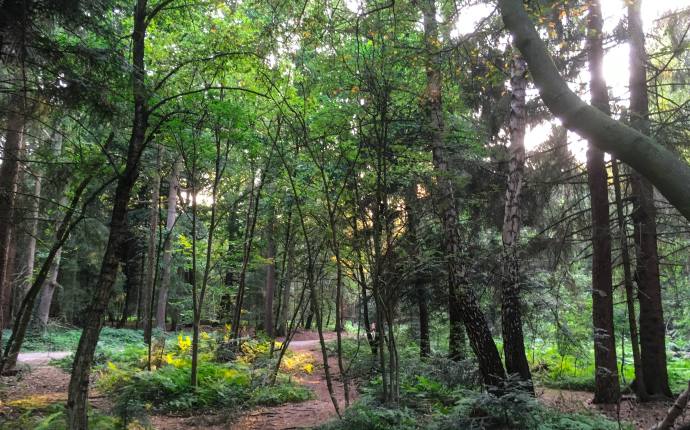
[[40, 358], [41, 384], [283, 417], [306, 414]]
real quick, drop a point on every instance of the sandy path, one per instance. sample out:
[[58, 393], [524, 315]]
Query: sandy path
[[306, 414], [290, 416], [40, 358]]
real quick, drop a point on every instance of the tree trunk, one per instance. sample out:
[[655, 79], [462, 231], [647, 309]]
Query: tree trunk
[[652, 329], [133, 260], [270, 277], [638, 384], [411, 207], [607, 387], [77, 398], [511, 314], [31, 243], [166, 271], [668, 172], [51, 282], [9, 175], [476, 325], [151, 253]]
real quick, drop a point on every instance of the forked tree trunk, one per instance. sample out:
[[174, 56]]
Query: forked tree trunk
[[652, 328], [31, 242], [166, 270], [607, 388], [475, 323], [78, 390], [511, 313]]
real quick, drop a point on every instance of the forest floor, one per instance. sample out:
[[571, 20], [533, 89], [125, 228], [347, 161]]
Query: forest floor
[[641, 415], [45, 384]]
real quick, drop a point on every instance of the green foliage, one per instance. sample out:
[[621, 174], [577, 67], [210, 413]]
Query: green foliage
[[279, 394], [61, 339], [51, 416], [516, 410], [368, 415]]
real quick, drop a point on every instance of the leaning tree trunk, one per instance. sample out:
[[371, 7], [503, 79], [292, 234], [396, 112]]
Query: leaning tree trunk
[[9, 175], [166, 271], [665, 169], [77, 398], [511, 315], [51, 282], [652, 329], [607, 388], [476, 325]]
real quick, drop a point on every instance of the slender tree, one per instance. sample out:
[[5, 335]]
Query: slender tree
[[511, 314], [652, 327], [477, 328], [606, 389]]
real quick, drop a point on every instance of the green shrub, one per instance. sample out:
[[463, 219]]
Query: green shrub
[[368, 415], [279, 394], [516, 410]]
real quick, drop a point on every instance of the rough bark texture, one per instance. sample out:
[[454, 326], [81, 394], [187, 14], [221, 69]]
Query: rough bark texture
[[9, 174], [511, 315], [478, 331], [606, 385], [173, 188], [664, 169], [652, 328], [83, 359], [674, 411]]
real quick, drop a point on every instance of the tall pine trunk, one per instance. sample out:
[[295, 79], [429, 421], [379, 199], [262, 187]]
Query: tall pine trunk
[[9, 176], [77, 398], [511, 314], [166, 270], [478, 331], [607, 388], [652, 328]]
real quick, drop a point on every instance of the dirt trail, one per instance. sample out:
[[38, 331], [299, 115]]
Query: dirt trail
[[284, 417], [306, 414], [40, 358], [45, 384]]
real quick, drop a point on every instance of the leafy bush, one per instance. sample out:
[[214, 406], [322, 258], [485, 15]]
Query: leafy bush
[[279, 394], [516, 410], [368, 415]]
